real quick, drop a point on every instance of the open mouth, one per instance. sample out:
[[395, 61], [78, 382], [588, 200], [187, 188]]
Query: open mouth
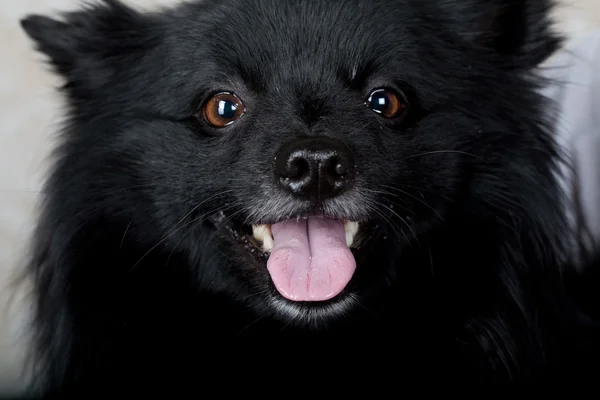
[[263, 235], [309, 259]]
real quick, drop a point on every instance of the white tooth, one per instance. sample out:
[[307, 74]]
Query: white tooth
[[262, 234], [259, 232], [351, 228], [349, 238], [268, 243]]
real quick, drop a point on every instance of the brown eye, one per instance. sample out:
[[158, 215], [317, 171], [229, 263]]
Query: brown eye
[[388, 103], [223, 109]]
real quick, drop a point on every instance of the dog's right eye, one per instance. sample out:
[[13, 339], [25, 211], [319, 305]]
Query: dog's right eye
[[222, 109], [388, 103]]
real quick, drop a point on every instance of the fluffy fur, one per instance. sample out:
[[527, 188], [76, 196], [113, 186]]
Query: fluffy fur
[[139, 268]]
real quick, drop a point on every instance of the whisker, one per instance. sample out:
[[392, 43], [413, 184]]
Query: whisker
[[227, 219], [361, 305], [420, 189], [201, 203], [286, 325], [445, 151], [392, 224], [392, 198], [257, 294], [430, 259], [416, 198], [404, 221], [214, 211], [358, 131], [198, 221], [173, 231], [250, 324], [125, 234]]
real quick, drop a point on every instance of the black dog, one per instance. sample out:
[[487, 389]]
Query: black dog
[[348, 168]]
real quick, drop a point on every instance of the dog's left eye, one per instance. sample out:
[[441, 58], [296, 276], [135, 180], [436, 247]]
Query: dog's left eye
[[387, 102]]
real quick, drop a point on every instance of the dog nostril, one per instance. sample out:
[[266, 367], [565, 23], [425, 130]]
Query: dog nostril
[[297, 168], [340, 167]]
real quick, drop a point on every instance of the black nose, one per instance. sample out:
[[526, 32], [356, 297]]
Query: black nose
[[315, 168]]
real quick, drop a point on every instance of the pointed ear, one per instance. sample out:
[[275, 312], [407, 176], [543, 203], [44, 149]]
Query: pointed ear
[[519, 29], [87, 46]]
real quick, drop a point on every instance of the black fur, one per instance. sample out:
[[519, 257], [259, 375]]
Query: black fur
[[464, 273]]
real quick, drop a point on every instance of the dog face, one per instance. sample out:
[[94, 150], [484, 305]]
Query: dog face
[[312, 140]]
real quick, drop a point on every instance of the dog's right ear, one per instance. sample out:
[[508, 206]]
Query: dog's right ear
[[52, 38], [87, 46]]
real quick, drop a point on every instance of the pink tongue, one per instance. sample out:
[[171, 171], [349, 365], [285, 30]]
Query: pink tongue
[[310, 260]]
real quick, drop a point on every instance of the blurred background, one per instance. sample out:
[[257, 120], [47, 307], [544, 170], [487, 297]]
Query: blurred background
[[30, 115]]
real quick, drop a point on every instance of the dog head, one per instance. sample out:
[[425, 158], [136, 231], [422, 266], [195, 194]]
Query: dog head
[[312, 141]]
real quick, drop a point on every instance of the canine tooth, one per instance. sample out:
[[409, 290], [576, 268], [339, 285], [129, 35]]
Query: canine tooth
[[259, 232], [349, 239], [268, 242], [351, 228], [262, 234]]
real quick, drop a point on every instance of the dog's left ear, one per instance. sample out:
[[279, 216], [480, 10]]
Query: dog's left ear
[[519, 29], [87, 46]]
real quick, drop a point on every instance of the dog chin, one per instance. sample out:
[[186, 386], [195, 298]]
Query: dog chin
[[311, 314]]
